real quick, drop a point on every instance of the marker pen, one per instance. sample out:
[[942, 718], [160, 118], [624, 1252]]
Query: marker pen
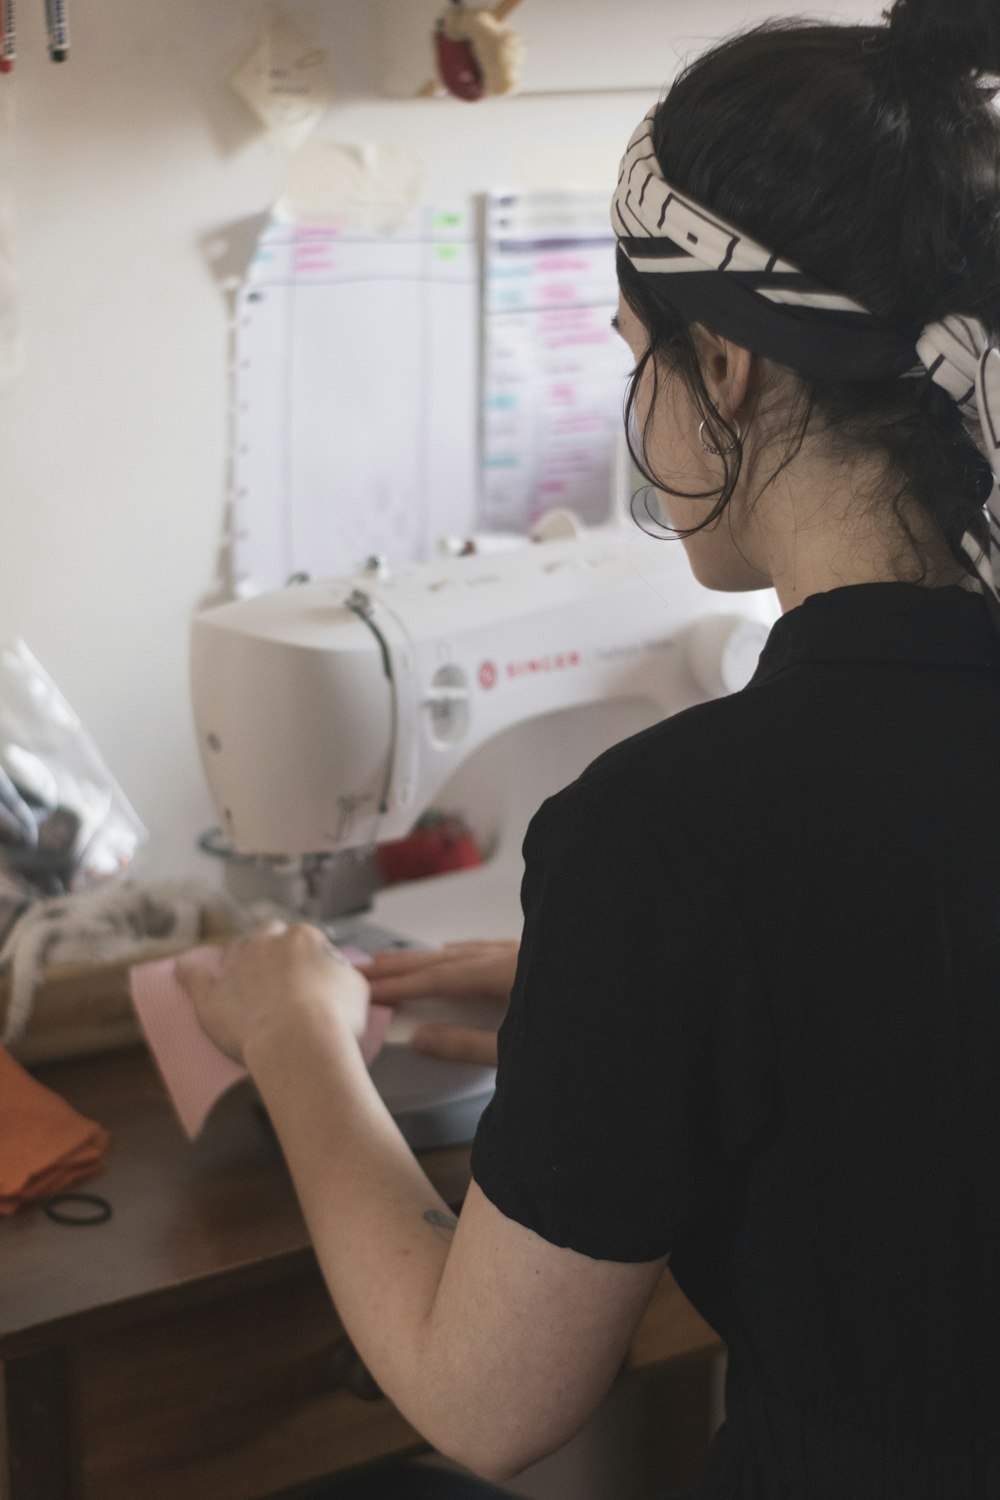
[[8, 42], [57, 20]]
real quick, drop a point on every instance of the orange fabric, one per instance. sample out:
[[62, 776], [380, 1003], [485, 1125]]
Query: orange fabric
[[45, 1145]]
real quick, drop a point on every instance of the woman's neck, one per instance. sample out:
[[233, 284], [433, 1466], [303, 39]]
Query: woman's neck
[[814, 531]]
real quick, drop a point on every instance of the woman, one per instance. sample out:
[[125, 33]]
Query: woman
[[755, 1024]]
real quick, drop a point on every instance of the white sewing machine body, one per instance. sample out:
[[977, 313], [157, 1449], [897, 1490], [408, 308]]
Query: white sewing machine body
[[330, 715]]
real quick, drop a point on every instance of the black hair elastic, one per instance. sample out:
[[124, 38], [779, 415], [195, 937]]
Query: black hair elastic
[[87, 1209]]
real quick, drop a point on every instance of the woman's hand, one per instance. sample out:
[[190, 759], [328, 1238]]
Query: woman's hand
[[458, 971], [265, 977]]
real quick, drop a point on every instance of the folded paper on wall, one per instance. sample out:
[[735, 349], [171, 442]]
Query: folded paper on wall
[[283, 82]]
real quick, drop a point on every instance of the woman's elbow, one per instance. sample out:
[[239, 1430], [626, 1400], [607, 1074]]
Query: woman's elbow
[[497, 1456], [492, 1464], [497, 1433]]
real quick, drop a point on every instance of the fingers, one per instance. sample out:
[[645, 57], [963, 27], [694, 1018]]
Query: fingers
[[190, 975], [436, 981], [459, 1044], [271, 929], [459, 969], [406, 960], [422, 985], [477, 945]]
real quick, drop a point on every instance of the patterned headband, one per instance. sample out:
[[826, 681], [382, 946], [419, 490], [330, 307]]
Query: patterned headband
[[733, 284]]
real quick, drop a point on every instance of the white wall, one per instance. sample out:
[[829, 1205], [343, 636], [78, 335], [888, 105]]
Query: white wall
[[113, 440]]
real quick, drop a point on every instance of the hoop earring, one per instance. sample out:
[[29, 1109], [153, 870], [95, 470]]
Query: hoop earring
[[720, 452]]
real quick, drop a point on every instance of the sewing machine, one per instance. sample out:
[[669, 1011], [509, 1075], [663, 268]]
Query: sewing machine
[[331, 714]]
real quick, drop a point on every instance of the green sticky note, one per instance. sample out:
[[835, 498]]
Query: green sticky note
[[446, 252], [449, 220]]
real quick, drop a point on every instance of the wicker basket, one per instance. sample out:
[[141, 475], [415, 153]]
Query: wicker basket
[[85, 1008]]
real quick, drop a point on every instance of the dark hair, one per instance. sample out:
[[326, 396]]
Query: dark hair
[[870, 158]]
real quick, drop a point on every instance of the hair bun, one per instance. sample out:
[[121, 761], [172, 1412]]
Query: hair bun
[[950, 37]]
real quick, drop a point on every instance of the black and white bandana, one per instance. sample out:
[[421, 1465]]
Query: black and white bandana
[[726, 280]]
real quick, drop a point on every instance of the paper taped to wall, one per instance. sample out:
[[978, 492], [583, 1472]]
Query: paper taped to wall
[[553, 369], [395, 384], [355, 392]]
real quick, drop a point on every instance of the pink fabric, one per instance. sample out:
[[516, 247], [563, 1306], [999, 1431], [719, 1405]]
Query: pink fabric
[[196, 1073]]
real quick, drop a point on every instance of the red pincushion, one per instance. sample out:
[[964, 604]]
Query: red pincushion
[[437, 844]]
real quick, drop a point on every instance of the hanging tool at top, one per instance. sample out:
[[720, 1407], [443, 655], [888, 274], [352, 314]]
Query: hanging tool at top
[[478, 55]]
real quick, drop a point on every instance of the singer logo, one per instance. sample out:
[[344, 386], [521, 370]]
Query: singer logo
[[560, 663], [487, 675]]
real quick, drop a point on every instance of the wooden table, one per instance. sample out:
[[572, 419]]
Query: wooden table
[[186, 1347]]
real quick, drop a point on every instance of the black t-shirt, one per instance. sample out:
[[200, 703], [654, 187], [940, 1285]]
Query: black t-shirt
[[756, 1025]]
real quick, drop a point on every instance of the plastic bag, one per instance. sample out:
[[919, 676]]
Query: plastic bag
[[65, 824]]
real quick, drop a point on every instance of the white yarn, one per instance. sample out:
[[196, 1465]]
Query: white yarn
[[105, 925]]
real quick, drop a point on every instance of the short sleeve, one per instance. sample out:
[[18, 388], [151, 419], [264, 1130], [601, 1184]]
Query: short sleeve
[[634, 1062]]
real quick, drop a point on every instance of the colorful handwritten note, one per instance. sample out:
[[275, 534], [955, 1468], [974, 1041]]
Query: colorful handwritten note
[[553, 369]]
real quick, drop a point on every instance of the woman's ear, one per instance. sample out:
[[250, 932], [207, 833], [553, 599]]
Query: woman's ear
[[727, 368]]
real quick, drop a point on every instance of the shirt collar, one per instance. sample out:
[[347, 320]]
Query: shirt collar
[[890, 622]]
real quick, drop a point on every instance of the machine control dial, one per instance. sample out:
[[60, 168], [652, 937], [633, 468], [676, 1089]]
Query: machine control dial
[[722, 652]]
